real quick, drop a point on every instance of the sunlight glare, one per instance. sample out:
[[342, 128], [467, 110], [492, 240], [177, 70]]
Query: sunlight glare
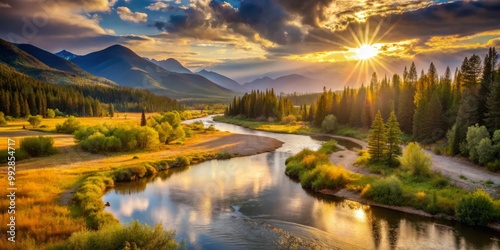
[[365, 52]]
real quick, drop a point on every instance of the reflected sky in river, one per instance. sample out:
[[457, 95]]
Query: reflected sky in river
[[249, 203]]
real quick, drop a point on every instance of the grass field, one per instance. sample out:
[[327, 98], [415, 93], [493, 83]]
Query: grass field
[[276, 127], [45, 184]]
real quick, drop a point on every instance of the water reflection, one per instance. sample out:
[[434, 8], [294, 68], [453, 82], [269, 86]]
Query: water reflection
[[248, 203]]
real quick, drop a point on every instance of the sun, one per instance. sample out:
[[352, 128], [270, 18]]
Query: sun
[[365, 52]]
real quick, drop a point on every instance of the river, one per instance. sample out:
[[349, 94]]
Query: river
[[249, 203]]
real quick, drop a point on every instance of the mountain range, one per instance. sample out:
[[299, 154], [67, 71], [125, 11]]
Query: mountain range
[[287, 84], [120, 66], [45, 66], [171, 65]]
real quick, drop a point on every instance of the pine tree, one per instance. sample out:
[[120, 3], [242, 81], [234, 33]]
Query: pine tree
[[377, 141], [488, 77], [393, 135], [492, 120], [143, 118], [111, 110], [16, 106]]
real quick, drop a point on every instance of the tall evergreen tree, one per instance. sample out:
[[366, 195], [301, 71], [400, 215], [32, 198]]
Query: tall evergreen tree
[[393, 135], [492, 120], [111, 110], [488, 77], [377, 141], [143, 118]]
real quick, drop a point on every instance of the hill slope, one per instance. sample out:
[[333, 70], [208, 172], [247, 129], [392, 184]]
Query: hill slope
[[222, 81], [126, 68], [59, 63], [171, 65], [28, 64]]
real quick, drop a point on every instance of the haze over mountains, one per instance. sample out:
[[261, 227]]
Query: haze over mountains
[[287, 84], [120, 66]]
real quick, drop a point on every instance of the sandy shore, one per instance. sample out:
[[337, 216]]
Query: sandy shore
[[71, 156]]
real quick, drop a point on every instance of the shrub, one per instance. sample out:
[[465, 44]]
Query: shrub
[[38, 146], [35, 120], [51, 113], [290, 119], [416, 160], [19, 154], [475, 209], [210, 128], [485, 151], [224, 155], [474, 135], [363, 158], [494, 166], [386, 191], [69, 126], [328, 147], [181, 161], [3, 121], [116, 236], [329, 124]]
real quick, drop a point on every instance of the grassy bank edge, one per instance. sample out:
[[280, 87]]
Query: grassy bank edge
[[316, 173], [299, 128], [87, 198]]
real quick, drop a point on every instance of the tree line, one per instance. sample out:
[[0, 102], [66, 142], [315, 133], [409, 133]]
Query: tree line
[[426, 105], [22, 96]]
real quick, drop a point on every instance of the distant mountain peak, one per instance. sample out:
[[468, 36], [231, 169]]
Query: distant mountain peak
[[172, 65], [222, 81], [65, 54]]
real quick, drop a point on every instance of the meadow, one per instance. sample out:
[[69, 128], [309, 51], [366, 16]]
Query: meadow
[[45, 211]]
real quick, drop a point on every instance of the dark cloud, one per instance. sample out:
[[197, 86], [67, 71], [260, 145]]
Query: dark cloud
[[458, 18], [264, 17], [312, 12]]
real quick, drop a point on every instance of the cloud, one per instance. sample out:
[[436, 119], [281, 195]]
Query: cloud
[[160, 6], [253, 19], [127, 15]]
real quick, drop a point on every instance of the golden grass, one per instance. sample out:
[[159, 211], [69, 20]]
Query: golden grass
[[43, 219]]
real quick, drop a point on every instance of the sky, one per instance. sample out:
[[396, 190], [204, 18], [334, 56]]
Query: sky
[[340, 42]]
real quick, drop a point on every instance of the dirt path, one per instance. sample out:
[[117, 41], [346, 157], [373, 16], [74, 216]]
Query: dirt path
[[465, 174], [461, 172]]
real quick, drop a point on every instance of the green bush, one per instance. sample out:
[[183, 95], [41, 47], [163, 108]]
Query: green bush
[[474, 135], [493, 166], [329, 124], [387, 191], [3, 121], [19, 154], [475, 209], [35, 120], [117, 138], [38, 146], [223, 155], [416, 161], [69, 126], [181, 161], [131, 236], [328, 147], [290, 119], [51, 113]]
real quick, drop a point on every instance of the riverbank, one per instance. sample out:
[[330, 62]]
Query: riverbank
[[432, 197], [47, 182]]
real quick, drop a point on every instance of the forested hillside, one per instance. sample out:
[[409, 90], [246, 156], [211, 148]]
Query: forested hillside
[[21, 96], [428, 106]]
